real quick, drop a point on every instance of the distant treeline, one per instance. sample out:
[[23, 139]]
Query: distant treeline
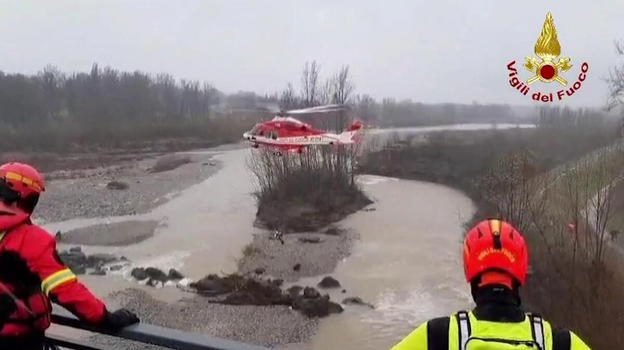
[[108, 108], [392, 113]]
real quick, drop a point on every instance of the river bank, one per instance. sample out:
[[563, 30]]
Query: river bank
[[208, 228], [197, 218]]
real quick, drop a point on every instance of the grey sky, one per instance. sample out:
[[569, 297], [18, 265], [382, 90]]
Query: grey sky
[[429, 51]]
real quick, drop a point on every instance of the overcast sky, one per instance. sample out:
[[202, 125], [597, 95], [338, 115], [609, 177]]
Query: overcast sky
[[429, 51]]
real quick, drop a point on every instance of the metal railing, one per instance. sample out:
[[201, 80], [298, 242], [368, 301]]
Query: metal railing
[[144, 333]]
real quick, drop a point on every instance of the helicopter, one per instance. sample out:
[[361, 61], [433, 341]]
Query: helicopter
[[290, 134]]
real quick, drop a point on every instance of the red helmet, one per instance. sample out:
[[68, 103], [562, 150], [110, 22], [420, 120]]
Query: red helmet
[[20, 183], [495, 245]]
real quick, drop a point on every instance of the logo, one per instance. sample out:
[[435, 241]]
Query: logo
[[547, 67]]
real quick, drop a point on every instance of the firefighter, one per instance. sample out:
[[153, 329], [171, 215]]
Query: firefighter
[[31, 273], [496, 261]]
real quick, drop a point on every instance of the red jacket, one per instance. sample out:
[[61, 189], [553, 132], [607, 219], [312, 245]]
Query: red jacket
[[37, 248]]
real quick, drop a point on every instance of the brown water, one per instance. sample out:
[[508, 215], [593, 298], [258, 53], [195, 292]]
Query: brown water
[[407, 263], [203, 228]]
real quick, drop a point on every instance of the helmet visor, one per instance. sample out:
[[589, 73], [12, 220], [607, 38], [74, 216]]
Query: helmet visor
[[8, 195]]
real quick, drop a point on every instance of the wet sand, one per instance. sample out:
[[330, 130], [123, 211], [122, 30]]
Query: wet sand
[[111, 234]]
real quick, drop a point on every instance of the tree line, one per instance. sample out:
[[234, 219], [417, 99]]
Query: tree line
[[339, 88], [106, 106]]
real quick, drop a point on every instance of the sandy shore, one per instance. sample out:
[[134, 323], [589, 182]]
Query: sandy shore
[[87, 195]]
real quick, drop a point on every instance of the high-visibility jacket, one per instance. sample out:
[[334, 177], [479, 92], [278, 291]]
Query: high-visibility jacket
[[33, 255], [463, 330]]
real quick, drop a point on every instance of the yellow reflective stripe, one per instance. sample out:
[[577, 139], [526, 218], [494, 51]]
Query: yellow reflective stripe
[[56, 279], [27, 181]]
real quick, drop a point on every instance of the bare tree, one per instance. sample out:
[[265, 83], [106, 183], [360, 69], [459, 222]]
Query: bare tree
[[342, 86], [310, 84], [288, 98], [616, 80]]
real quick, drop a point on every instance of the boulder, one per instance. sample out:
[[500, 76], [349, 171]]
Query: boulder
[[79, 269], [175, 275], [294, 291], [241, 298], [116, 267], [333, 231], [139, 273], [98, 272], [259, 270], [210, 287], [100, 259], [319, 307], [311, 293], [156, 274], [356, 301], [310, 240], [334, 308], [297, 267], [75, 249], [73, 259], [329, 282]]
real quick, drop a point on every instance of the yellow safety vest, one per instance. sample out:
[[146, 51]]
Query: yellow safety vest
[[466, 332]]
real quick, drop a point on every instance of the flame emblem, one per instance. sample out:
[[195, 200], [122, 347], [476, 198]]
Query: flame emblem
[[548, 49]]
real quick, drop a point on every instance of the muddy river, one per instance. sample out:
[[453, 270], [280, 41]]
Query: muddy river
[[406, 261]]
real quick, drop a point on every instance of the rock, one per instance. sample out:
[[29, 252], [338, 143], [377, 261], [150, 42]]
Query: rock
[[333, 231], [156, 274], [100, 259], [155, 283], [116, 267], [344, 291], [369, 209], [117, 185], [79, 269], [294, 291], [210, 287], [356, 301], [277, 282], [74, 260], [319, 307], [329, 282], [75, 250], [175, 275], [334, 308], [310, 240], [58, 236], [311, 293], [297, 267], [98, 272], [240, 298], [212, 163], [259, 270], [139, 273]]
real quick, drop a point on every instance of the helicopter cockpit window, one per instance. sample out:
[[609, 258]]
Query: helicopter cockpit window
[[273, 135]]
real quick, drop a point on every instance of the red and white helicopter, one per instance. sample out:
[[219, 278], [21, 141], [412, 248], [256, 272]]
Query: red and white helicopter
[[289, 134]]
